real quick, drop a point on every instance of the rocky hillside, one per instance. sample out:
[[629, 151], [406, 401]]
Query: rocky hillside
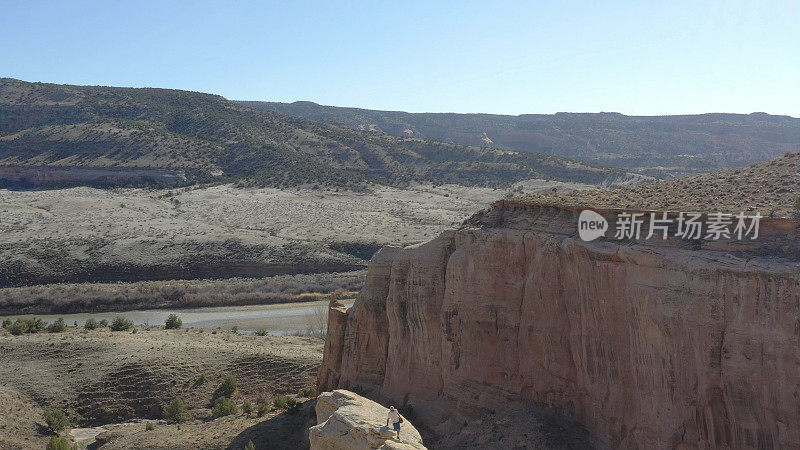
[[200, 137], [658, 145], [771, 187], [648, 343]]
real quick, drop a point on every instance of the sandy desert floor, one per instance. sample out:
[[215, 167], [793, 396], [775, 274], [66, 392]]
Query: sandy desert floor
[[85, 234], [385, 215]]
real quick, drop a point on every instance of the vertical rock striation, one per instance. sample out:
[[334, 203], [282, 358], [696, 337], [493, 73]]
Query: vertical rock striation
[[650, 344]]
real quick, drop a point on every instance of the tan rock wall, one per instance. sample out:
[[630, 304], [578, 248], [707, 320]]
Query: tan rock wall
[[650, 345]]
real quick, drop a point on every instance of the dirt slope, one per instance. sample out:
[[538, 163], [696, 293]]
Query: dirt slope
[[102, 377]]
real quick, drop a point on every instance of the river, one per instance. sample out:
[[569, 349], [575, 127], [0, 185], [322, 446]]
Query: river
[[277, 319]]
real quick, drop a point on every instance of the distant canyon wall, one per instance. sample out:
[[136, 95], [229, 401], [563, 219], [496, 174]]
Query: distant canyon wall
[[650, 344]]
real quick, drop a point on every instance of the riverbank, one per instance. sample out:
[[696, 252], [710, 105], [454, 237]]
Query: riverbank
[[307, 318], [72, 298]]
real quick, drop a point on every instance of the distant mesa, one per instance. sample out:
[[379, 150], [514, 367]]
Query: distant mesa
[[211, 139], [663, 146]]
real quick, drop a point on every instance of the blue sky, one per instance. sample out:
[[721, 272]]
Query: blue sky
[[497, 57]]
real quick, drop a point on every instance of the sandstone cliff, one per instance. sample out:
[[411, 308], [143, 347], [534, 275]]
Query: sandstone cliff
[[348, 421], [649, 344]]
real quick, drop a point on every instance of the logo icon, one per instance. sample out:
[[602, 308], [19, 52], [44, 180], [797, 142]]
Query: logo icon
[[591, 225]]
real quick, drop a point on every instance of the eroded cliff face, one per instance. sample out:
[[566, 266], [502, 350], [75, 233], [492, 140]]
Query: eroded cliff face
[[649, 344]]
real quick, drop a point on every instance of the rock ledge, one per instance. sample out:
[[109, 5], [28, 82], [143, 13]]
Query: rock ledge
[[346, 421]]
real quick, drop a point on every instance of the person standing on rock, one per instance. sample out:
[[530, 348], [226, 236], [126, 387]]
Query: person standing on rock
[[395, 419]]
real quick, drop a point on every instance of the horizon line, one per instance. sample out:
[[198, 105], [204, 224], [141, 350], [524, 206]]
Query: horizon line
[[411, 112]]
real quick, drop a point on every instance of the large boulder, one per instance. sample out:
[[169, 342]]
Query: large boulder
[[348, 421]]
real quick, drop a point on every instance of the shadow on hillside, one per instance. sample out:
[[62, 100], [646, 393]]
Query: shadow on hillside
[[284, 431]]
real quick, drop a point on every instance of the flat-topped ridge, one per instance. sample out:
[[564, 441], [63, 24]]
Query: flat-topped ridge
[[770, 187]]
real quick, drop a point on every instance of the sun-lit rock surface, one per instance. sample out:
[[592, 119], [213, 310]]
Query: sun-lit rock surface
[[337, 321], [348, 421], [651, 344]]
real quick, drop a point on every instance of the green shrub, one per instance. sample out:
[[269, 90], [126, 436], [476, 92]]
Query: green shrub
[[263, 409], [235, 330], [149, 426], [103, 323], [121, 323], [36, 325], [307, 392], [19, 327], [247, 408], [59, 443], [280, 401], [176, 412], [262, 406], [262, 332], [58, 326], [56, 420], [173, 322], [27, 325], [90, 324], [7, 323], [201, 379], [283, 401], [250, 445], [224, 407], [226, 388]]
